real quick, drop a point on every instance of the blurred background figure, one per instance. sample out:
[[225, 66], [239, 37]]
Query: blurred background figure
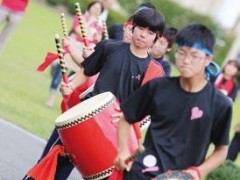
[[162, 46], [92, 22], [226, 81], [94, 29], [107, 4], [11, 12]]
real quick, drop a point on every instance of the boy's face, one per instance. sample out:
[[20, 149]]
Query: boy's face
[[191, 62], [160, 47], [143, 38]]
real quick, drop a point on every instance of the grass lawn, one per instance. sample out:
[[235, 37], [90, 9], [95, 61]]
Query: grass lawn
[[23, 90]]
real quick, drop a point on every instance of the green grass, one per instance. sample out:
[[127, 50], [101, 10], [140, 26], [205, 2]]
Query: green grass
[[23, 90]]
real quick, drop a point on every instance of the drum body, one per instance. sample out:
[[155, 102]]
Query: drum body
[[89, 135]]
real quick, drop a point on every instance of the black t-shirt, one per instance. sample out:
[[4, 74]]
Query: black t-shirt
[[121, 72], [166, 65], [183, 124], [116, 32]]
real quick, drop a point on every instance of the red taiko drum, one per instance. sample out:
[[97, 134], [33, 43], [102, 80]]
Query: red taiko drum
[[89, 135]]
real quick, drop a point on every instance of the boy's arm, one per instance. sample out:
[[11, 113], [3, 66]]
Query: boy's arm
[[78, 79], [211, 163], [74, 50], [123, 150]]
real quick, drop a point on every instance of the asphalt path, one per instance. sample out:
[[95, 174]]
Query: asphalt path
[[19, 151]]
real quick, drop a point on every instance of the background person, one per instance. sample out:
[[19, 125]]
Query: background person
[[11, 12]]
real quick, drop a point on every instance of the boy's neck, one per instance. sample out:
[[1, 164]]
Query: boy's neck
[[141, 53], [193, 84]]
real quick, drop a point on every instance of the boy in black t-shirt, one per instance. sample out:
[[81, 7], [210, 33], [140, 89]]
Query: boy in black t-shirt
[[187, 114], [121, 66]]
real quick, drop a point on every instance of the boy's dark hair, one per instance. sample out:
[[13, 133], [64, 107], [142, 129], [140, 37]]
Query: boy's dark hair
[[170, 34], [146, 5], [196, 33], [150, 18]]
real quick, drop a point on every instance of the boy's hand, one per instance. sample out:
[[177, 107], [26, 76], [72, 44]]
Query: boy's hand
[[123, 160], [194, 172], [68, 42], [66, 89], [87, 51]]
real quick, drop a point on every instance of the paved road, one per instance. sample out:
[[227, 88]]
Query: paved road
[[19, 151]]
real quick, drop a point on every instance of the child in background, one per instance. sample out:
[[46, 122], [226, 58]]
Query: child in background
[[11, 12], [92, 22], [162, 46], [226, 81], [94, 31]]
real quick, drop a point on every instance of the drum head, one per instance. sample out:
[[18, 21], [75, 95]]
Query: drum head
[[84, 109], [174, 175]]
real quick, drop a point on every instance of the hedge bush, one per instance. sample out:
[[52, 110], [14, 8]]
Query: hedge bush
[[227, 171], [71, 5], [55, 2]]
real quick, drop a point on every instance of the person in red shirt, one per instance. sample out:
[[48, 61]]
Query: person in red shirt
[[12, 12], [226, 81]]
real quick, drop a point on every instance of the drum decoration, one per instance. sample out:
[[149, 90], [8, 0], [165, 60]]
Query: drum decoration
[[145, 123]]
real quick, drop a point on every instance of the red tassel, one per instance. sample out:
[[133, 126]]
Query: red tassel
[[50, 57], [46, 168], [153, 71]]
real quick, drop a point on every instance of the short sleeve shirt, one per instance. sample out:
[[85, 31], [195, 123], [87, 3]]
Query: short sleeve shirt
[[183, 124], [121, 72]]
